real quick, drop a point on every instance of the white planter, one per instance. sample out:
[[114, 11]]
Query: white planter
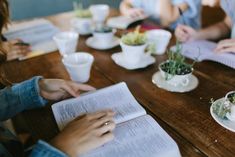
[[66, 42], [82, 25], [99, 12], [79, 66], [160, 38], [176, 80], [103, 38], [133, 54]]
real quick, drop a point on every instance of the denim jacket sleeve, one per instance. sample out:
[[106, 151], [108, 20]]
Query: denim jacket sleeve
[[19, 97], [44, 149]]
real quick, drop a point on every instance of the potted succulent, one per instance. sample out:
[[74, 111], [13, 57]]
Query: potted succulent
[[133, 45], [175, 70], [83, 21], [104, 35], [225, 109], [230, 100]]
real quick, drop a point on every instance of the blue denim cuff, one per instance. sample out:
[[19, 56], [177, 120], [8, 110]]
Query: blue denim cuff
[[44, 149], [28, 92]]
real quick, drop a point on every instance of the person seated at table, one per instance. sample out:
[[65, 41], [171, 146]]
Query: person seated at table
[[223, 31], [79, 136], [167, 13], [83, 134], [14, 48]]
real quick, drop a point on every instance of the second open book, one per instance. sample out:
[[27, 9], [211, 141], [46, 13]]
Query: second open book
[[136, 135], [205, 50]]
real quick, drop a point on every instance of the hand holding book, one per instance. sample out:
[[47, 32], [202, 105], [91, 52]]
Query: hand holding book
[[136, 134], [225, 46], [85, 133]]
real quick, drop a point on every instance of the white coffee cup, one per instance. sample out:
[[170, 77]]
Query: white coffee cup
[[66, 42], [82, 25], [176, 80], [133, 54], [103, 38], [160, 39], [99, 12], [79, 66]]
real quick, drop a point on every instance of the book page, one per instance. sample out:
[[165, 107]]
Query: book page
[[139, 137], [117, 98], [38, 33], [200, 50], [204, 50]]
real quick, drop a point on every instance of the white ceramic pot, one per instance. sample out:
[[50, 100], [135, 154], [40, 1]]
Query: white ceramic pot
[[82, 25], [99, 12], [103, 38], [66, 42], [133, 54], [160, 39], [176, 80], [79, 66]]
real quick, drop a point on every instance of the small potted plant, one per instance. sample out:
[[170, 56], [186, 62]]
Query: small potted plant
[[104, 35], [175, 70], [83, 21], [225, 109], [133, 45], [230, 100]]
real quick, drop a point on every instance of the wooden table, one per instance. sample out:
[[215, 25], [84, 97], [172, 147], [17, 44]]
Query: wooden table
[[186, 117]]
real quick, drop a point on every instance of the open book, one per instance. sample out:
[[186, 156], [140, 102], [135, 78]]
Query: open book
[[136, 135], [38, 33], [122, 22], [204, 50]]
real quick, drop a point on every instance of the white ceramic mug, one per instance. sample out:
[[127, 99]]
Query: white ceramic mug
[[66, 42], [99, 12], [160, 39], [176, 80], [82, 25], [133, 54], [79, 66]]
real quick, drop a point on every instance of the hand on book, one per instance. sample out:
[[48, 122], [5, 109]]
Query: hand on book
[[15, 49], [226, 46], [56, 89], [185, 33], [85, 133]]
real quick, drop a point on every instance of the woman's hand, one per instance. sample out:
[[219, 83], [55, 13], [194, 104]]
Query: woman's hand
[[15, 50], [56, 89], [85, 133], [135, 13], [185, 33], [226, 46]]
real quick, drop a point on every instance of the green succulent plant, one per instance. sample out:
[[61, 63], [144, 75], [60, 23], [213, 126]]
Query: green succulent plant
[[176, 64], [231, 97], [220, 108], [83, 13], [135, 38], [80, 11]]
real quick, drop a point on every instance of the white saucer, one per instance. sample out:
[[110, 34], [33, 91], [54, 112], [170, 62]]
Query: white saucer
[[159, 81], [230, 125], [120, 60], [91, 42]]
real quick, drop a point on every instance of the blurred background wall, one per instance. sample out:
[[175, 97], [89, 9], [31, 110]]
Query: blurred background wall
[[25, 9]]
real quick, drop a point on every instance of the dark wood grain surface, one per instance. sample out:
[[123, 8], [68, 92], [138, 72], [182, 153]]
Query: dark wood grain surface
[[186, 117]]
